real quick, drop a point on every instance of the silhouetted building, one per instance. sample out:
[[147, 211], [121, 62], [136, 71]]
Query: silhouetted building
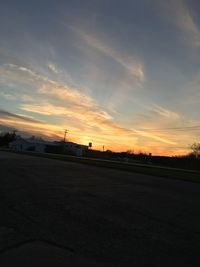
[[32, 144], [73, 149], [39, 145]]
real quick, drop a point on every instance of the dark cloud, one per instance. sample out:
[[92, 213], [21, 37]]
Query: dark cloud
[[5, 128], [6, 114]]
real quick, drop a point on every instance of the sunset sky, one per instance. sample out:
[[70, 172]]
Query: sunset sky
[[120, 73]]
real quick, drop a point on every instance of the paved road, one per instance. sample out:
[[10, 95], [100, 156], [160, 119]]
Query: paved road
[[67, 214]]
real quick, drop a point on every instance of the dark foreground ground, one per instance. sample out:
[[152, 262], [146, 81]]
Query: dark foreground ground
[[55, 213]]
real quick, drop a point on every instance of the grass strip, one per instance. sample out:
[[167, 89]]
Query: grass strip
[[172, 173]]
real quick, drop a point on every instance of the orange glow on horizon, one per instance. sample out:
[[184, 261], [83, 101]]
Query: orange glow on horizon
[[115, 143]]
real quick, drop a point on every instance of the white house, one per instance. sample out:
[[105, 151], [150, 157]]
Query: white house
[[76, 149], [39, 145]]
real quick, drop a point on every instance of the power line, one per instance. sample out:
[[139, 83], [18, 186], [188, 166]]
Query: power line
[[195, 127]]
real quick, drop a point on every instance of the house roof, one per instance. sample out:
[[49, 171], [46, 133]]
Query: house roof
[[43, 142]]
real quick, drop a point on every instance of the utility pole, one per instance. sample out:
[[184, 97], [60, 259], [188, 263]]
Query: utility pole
[[65, 133]]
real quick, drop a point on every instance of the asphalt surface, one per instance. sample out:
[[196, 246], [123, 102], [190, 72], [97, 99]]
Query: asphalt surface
[[55, 213]]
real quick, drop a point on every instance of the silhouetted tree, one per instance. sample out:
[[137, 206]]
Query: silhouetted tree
[[196, 149], [130, 152], [6, 138]]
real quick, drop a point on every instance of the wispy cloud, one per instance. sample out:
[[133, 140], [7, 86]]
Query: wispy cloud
[[53, 68], [26, 98], [165, 112], [29, 125], [187, 24], [64, 103], [6, 114], [155, 137], [180, 13], [130, 64], [24, 69], [7, 96], [99, 120], [66, 93]]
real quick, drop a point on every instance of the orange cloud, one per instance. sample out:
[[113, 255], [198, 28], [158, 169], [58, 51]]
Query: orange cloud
[[86, 119]]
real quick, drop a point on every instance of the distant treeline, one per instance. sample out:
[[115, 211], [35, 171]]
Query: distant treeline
[[189, 161]]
